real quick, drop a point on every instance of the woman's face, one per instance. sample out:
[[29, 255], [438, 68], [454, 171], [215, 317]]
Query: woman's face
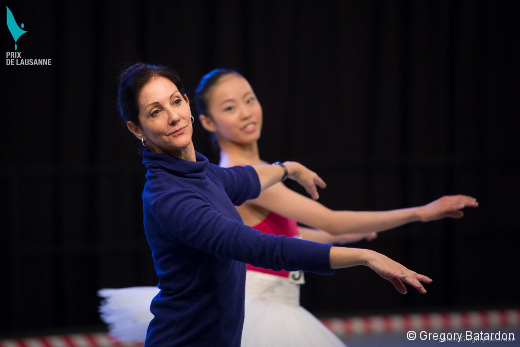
[[236, 114], [165, 117]]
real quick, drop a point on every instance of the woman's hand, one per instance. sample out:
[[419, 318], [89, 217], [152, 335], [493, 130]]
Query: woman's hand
[[305, 177], [341, 257], [395, 272], [272, 174], [447, 206]]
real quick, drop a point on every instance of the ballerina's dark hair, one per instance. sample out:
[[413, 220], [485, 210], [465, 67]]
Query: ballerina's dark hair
[[133, 79], [206, 83]]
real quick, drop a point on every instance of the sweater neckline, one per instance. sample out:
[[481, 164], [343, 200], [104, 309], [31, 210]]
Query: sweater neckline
[[177, 166]]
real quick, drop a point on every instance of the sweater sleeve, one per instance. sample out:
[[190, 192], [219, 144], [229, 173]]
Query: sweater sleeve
[[241, 183], [190, 220]]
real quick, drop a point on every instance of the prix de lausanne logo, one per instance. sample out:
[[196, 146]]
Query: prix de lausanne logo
[[14, 29], [15, 58]]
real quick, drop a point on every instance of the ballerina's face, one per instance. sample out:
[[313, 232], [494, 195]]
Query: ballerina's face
[[164, 117], [235, 113]]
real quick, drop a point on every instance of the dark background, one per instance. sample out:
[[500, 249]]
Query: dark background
[[393, 103]]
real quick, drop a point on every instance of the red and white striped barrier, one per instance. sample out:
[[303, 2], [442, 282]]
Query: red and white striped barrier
[[423, 321], [75, 340], [340, 326]]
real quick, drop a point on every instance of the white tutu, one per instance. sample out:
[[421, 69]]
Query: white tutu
[[274, 317], [127, 312]]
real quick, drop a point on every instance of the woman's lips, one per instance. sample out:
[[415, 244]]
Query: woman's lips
[[179, 132], [249, 127]]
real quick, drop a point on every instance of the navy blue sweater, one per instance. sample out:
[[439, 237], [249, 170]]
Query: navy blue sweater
[[199, 246]]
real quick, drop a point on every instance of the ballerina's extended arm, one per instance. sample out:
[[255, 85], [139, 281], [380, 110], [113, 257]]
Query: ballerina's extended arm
[[337, 224]]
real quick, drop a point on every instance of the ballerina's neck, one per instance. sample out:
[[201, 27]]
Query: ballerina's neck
[[240, 155]]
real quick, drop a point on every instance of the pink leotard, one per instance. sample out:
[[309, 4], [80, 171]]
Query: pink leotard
[[276, 225]]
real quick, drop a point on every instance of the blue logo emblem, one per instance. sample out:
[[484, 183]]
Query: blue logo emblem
[[15, 30]]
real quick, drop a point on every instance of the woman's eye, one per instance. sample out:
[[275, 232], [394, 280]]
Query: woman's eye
[[154, 113], [177, 102], [250, 100], [229, 108]]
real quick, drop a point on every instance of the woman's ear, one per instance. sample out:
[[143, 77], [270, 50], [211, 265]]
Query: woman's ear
[[186, 99], [135, 130], [207, 123]]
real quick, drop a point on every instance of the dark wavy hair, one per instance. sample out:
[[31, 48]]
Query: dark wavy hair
[[133, 79]]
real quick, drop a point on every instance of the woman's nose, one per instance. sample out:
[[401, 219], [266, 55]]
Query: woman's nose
[[173, 117], [245, 112]]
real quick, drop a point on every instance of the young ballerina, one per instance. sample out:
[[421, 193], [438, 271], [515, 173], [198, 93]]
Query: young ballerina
[[229, 109], [198, 241]]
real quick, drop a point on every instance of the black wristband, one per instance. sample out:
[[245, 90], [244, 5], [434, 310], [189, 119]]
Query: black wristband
[[285, 172]]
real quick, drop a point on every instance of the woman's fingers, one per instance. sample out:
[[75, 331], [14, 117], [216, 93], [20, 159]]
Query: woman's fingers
[[468, 201], [312, 191], [414, 279], [423, 278], [371, 236], [457, 202], [397, 273], [447, 206], [455, 214], [398, 285], [316, 181], [305, 177], [311, 181], [414, 282], [321, 183]]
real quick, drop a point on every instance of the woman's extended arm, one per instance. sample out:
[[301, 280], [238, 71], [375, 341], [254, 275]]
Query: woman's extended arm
[[216, 234], [290, 204], [272, 174]]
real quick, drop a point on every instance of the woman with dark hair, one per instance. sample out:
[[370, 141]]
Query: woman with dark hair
[[198, 240]]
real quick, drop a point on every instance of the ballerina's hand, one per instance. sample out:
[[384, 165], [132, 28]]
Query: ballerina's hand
[[447, 206], [305, 177], [351, 238], [371, 236], [396, 273]]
